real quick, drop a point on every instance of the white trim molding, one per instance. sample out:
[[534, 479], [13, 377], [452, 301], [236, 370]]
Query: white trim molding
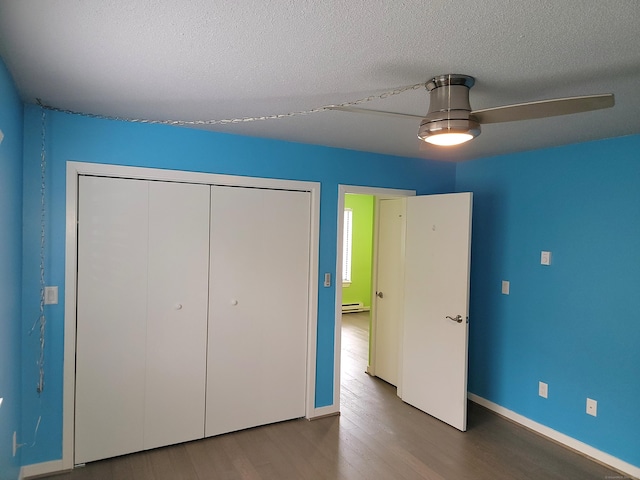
[[561, 438], [322, 412], [39, 469], [74, 170]]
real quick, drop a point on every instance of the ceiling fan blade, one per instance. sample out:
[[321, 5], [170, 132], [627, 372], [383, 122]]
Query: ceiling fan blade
[[375, 112], [544, 108]]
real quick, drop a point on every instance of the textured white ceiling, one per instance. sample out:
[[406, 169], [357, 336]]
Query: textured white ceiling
[[217, 59]]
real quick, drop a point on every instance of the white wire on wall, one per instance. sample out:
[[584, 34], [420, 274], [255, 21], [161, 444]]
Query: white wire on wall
[[41, 321]]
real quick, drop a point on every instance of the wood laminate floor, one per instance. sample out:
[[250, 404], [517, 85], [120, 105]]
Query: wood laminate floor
[[377, 436]]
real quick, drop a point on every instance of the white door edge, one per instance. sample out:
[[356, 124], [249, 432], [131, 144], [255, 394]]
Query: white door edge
[[382, 349]]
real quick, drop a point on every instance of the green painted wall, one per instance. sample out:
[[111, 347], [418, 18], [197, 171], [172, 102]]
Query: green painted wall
[[360, 288]]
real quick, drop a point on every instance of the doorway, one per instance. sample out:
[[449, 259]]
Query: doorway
[[429, 366], [355, 331]]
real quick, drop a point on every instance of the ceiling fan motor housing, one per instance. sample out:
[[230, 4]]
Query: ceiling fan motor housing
[[449, 108]]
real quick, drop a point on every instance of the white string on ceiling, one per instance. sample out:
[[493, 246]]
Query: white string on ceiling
[[227, 121]]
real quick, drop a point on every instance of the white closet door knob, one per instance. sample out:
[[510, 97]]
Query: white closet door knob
[[234, 302], [178, 306]]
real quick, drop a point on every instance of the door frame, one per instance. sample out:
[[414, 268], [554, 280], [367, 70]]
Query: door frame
[[380, 193], [74, 170]]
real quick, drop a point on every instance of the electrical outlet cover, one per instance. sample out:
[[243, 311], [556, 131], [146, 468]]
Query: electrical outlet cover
[[50, 295], [543, 389], [545, 258]]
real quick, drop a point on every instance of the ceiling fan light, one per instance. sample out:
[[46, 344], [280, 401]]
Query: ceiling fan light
[[446, 139], [448, 132]]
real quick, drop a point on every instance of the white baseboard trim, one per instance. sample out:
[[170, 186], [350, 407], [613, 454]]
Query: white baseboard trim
[[56, 466], [324, 412], [44, 468], [558, 437]]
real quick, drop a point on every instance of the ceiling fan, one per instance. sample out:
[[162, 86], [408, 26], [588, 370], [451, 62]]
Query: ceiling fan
[[450, 120]]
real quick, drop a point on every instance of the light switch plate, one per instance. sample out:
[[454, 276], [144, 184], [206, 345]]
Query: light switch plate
[[592, 407], [505, 287]]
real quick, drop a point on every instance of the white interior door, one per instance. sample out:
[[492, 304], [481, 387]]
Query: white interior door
[[259, 274], [111, 317], [436, 306], [389, 294], [142, 315], [178, 290]]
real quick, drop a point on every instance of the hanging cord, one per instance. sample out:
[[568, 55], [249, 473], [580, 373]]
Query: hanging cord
[[227, 121], [41, 320], [35, 436]]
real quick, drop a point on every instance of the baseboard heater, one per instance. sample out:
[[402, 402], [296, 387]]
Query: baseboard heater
[[354, 307]]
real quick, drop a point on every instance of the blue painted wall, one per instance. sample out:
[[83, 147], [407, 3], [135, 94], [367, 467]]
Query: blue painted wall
[[575, 324], [11, 122], [83, 139]]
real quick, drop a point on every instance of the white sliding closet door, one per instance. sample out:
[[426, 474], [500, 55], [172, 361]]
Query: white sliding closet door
[[256, 365], [141, 316], [111, 317], [177, 313]]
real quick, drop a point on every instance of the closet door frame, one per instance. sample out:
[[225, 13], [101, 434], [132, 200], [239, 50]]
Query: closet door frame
[[74, 171]]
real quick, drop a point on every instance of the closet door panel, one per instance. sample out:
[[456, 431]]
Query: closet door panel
[[256, 367], [177, 313], [111, 317]]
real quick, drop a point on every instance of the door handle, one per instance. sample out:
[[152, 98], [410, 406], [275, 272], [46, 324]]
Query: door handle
[[458, 318], [380, 294]]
